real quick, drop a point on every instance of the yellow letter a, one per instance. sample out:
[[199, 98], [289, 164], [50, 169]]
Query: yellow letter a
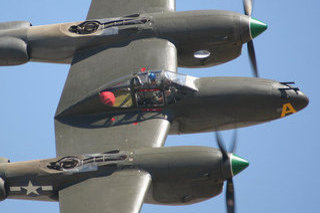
[[286, 109]]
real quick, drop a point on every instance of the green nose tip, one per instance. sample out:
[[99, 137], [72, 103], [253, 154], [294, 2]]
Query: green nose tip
[[238, 164], [257, 27]]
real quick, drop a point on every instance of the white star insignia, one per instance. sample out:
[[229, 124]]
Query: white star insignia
[[31, 188]]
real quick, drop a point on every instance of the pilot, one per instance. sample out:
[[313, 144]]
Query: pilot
[[149, 96], [152, 77], [155, 96]]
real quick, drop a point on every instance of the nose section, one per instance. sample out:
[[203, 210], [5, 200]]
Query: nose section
[[256, 27], [292, 99], [299, 100], [238, 164]]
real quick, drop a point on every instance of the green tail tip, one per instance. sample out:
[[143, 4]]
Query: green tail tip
[[257, 27], [238, 164]]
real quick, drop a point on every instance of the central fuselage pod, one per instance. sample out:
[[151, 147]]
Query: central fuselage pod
[[191, 104]]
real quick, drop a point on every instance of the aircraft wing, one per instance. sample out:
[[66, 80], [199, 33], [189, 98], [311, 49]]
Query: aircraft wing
[[121, 192], [86, 133], [115, 8]]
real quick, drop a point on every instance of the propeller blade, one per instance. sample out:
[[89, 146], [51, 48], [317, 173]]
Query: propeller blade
[[247, 6], [230, 196], [234, 141], [221, 146], [253, 60]]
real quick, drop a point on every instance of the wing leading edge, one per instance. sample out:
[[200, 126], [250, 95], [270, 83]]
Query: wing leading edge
[[115, 8]]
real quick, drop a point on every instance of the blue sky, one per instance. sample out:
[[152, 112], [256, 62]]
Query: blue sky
[[283, 174]]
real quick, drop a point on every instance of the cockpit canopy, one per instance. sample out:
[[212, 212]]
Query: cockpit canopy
[[152, 89], [146, 90]]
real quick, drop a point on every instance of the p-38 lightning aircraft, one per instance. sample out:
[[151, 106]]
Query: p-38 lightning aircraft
[[123, 96]]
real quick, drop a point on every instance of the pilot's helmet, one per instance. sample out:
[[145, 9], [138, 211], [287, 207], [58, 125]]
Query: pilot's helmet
[[152, 76]]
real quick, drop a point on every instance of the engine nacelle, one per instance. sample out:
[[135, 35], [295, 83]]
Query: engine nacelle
[[3, 194], [13, 51]]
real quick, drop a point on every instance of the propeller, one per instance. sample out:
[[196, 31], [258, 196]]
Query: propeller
[[253, 60], [247, 6], [230, 198], [256, 28]]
